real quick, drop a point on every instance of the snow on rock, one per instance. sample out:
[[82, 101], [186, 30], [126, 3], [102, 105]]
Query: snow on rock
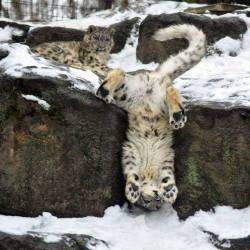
[[142, 231], [7, 32], [21, 62], [33, 98], [220, 78], [225, 221], [228, 45]]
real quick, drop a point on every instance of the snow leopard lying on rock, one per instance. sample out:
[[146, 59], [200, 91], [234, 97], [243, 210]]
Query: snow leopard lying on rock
[[91, 53], [154, 110]]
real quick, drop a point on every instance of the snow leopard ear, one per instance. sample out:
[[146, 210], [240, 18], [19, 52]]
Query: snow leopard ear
[[91, 28]]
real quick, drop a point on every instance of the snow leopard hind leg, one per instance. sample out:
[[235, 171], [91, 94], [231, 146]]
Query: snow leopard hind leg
[[176, 112], [177, 119]]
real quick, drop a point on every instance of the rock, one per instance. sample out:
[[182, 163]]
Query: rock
[[53, 34], [217, 9], [65, 160], [230, 244], [122, 32], [36, 242], [3, 54], [212, 159], [149, 50], [246, 2]]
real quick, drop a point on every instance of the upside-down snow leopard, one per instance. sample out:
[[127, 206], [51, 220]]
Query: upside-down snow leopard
[[154, 109], [91, 53]]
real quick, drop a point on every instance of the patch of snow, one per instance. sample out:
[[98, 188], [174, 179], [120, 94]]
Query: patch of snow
[[225, 221], [7, 32], [220, 78], [142, 231], [33, 98], [88, 76], [51, 238], [228, 45], [169, 7], [126, 60]]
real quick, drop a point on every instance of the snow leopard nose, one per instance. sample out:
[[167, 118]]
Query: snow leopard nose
[[156, 194], [102, 92]]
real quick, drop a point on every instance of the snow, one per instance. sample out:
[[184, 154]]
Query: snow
[[139, 230], [21, 61], [7, 32], [221, 78], [33, 98], [228, 45]]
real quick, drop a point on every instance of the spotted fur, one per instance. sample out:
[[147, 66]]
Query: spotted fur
[[154, 110], [92, 53]]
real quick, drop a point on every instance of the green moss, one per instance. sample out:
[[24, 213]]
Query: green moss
[[227, 153], [230, 160], [193, 177]]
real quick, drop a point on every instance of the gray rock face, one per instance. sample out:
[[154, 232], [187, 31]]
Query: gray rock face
[[149, 50], [212, 159], [36, 242], [65, 160], [53, 34]]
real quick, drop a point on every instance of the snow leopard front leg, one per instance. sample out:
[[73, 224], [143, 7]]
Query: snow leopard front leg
[[109, 85]]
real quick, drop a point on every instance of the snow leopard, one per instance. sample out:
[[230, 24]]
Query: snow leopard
[[155, 110], [91, 53]]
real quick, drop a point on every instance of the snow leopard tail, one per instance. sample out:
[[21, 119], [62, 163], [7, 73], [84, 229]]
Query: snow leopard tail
[[177, 64]]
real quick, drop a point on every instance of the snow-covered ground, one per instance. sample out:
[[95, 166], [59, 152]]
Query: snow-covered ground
[[220, 78], [161, 230]]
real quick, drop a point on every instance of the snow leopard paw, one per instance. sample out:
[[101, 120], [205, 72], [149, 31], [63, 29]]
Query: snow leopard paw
[[169, 192], [132, 190], [177, 115], [178, 119]]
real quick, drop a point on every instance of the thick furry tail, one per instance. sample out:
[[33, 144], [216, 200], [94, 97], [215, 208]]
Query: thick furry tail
[[177, 64]]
